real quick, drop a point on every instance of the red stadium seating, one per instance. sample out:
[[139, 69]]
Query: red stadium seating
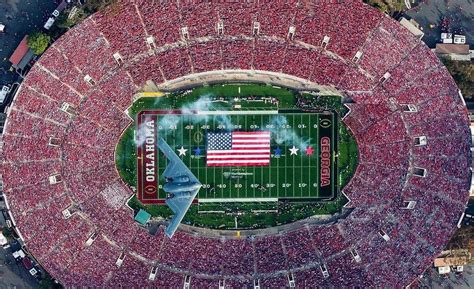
[[206, 56], [84, 145], [162, 21]]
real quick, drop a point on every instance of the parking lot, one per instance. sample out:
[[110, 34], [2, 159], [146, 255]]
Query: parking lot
[[20, 17], [12, 272], [458, 12]]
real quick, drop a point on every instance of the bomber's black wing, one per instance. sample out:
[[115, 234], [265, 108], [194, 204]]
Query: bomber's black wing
[[180, 201], [176, 167]]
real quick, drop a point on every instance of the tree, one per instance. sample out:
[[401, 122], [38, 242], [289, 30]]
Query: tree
[[382, 6], [38, 42], [48, 283], [7, 233], [65, 22], [391, 7], [96, 5], [463, 74]]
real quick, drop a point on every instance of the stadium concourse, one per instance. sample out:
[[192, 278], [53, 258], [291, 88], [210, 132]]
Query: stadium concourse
[[406, 113]]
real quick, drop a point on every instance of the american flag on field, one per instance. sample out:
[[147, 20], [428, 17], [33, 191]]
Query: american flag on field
[[238, 148]]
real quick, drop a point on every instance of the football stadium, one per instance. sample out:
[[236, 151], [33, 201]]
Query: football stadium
[[193, 144]]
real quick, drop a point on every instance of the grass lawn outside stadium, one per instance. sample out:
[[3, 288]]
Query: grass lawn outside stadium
[[290, 188]]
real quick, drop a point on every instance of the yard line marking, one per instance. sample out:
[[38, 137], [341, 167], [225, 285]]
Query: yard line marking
[[261, 170], [293, 189], [253, 169], [301, 160], [286, 159], [310, 128]]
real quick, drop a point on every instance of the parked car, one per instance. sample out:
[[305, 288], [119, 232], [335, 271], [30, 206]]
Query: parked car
[[4, 241]]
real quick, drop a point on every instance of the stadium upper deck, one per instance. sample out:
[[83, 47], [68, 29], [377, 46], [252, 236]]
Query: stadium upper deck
[[409, 120]]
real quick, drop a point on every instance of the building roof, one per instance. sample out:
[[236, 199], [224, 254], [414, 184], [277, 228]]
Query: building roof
[[27, 58], [451, 261], [412, 26], [448, 48], [61, 6], [142, 217], [20, 51]]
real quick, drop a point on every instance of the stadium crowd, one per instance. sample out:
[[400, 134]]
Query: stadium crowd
[[61, 133]]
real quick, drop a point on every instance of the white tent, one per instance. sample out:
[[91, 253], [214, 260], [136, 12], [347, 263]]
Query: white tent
[[19, 254], [3, 240], [2, 28], [444, 270]]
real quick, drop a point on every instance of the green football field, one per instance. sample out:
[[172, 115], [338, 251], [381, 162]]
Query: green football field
[[232, 202], [307, 174]]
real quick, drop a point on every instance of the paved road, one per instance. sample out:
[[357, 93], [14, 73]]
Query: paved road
[[20, 17], [433, 280], [13, 274], [459, 12]]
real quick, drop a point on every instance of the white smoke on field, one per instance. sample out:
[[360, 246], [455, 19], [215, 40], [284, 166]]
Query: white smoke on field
[[204, 103], [224, 121], [140, 133], [171, 123], [157, 100], [168, 123], [165, 126], [284, 135]]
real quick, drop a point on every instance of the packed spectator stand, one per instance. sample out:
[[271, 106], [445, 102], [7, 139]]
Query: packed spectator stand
[[406, 114]]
